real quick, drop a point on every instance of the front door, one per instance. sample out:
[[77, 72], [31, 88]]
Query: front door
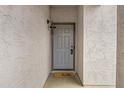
[[63, 47]]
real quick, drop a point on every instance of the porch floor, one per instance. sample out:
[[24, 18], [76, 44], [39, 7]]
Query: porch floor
[[63, 82], [68, 82]]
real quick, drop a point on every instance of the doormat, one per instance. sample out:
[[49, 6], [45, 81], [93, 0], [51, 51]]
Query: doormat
[[63, 74]]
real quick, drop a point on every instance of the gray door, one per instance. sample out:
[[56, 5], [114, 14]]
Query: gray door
[[63, 46]]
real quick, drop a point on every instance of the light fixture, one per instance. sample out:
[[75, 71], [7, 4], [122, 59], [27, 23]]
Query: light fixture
[[51, 26]]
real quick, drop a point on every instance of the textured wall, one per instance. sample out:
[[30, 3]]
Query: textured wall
[[64, 14], [24, 46], [80, 43], [100, 24], [120, 46]]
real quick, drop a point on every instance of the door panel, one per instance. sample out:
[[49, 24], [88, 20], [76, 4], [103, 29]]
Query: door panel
[[63, 43]]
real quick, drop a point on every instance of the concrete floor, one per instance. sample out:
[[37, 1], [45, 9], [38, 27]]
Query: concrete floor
[[63, 82], [68, 82]]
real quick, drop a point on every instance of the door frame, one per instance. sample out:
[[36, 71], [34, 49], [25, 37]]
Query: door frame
[[63, 23]]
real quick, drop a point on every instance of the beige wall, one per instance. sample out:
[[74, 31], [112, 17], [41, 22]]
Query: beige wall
[[80, 43], [64, 14], [99, 56], [120, 47], [24, 46]]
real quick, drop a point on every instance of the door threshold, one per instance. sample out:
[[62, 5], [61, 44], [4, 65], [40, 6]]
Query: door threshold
[[63, 73], [66, 71]]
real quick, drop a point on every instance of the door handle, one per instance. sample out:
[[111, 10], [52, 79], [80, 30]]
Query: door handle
[[71, 51]]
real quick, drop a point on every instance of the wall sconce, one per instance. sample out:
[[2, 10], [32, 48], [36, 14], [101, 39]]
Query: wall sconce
[[48, 21], [51, 26]]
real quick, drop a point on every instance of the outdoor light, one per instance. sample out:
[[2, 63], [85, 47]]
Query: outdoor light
[[50, 24]]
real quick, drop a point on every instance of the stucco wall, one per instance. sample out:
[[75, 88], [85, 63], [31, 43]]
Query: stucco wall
[[64, 13], [24, 46], [120, 46], [100, 30], [80, 43]]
